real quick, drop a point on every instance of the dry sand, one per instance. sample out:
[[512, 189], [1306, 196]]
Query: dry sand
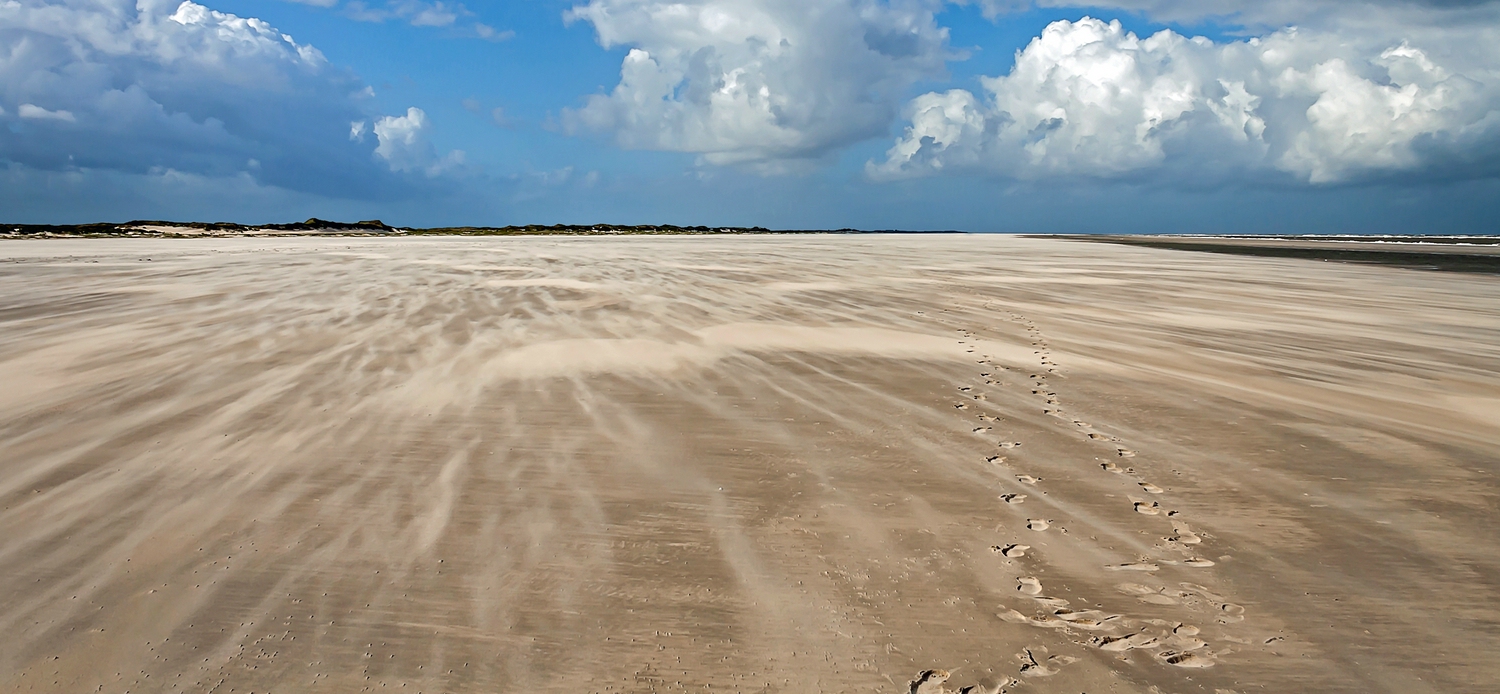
[[752, 464]]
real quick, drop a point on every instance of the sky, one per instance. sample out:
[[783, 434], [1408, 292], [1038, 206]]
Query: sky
[[1042, 116]]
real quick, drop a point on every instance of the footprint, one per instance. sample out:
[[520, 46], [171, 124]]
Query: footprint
[[1185, 630], [1029, 585], [1184, 536], [988, 686], [1205, 592], [1120, 644], [1125, 453], [1027, 479], [1185, 660], [1097, 436], [1198, 563], [1047, 622], [960, 406], [1037, 524], [1151, 509], [979, 429], [1088, 620], [1111, 467], [995, 459], [1231, 613], [1032, 667], [1050, 603], [935, 682], [930, 682], [1151, 488], [1012, 551], [1132, 566], [1010, 444], [1013, 498]]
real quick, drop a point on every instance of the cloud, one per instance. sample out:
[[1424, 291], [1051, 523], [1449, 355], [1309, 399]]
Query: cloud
[[1090, 99], [490, 33], [499, 117], [138, 86], [414, 12], [418, 13], [404, 145], [496, 115], [1273, 13], [768, 83], [35, 112]]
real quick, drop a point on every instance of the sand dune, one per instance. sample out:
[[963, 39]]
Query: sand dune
[[754, 464]]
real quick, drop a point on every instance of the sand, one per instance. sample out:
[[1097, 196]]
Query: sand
[[751, 464]]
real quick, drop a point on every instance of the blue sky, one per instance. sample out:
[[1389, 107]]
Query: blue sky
[[1326, 116]]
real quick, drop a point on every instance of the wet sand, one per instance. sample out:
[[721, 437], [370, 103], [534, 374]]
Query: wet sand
[[751, 464]]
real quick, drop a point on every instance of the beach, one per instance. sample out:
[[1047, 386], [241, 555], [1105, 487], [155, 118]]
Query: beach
[[742, 464]]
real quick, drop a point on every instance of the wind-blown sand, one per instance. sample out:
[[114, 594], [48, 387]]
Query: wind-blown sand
[[753, 464]]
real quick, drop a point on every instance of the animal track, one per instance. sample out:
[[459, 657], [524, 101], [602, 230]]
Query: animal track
[[1149, 509], [1012, 550], [1170, 643], [1182, 534]]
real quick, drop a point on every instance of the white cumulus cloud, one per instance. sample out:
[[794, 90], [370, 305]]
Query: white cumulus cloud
[[769, 83], [1088, 98], [137, 86], [405, 147]]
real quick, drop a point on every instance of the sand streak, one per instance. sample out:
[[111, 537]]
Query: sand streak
[[742, 464]]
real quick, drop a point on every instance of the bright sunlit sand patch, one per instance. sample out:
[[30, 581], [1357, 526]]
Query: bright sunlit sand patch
[[544, 282], [809, 286]]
